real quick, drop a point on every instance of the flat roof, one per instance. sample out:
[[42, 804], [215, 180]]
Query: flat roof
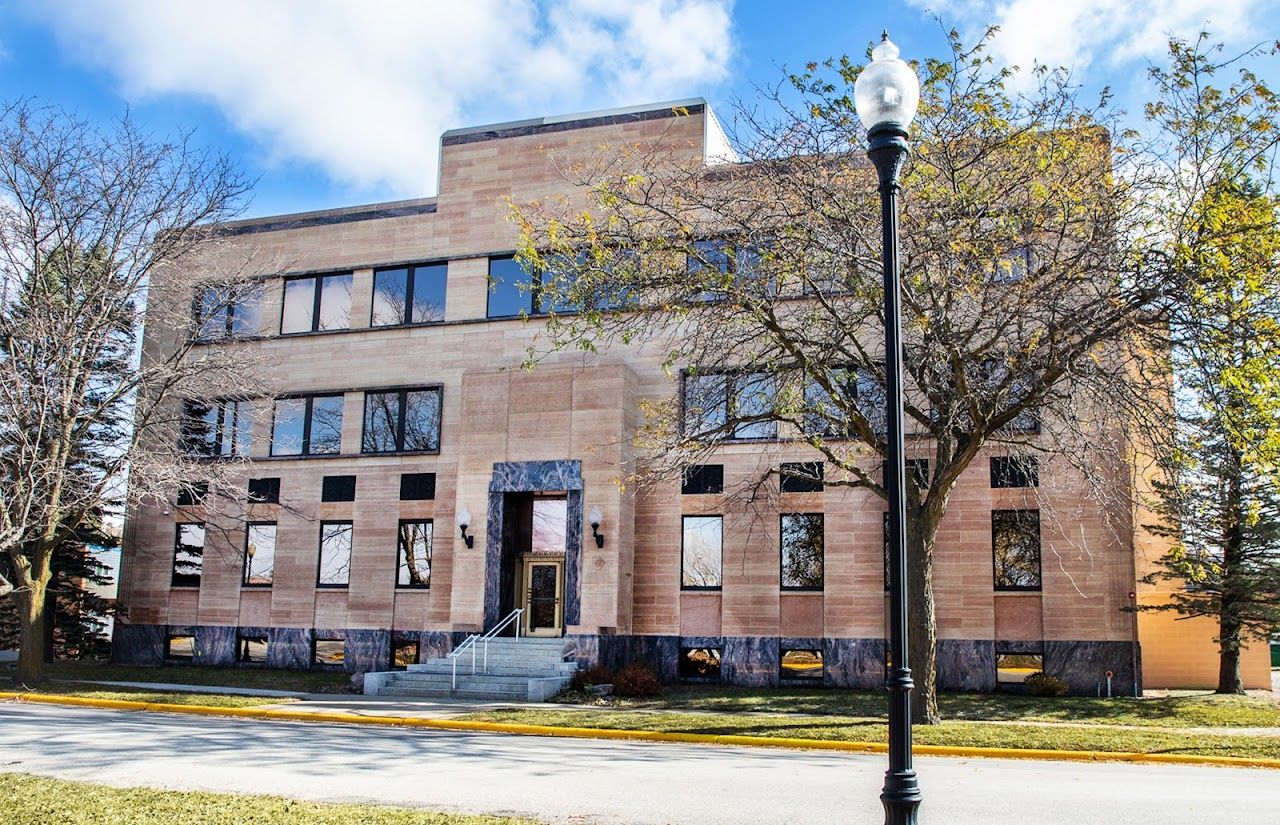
[[579, 120], [324, 217]]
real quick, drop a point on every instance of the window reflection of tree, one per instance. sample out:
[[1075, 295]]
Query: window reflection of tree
[[550, 525], [188, 555], [415, 554], [1016, 549], [335, 553], [702, 551], [802, 551]]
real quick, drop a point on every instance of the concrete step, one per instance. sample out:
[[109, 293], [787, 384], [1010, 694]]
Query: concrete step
[[509, 688], [504, 667]]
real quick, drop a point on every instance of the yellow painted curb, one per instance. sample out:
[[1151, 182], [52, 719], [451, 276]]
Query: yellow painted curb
[[645, 735]]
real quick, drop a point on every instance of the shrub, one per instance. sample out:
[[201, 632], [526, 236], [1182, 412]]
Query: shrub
[[594, 675], [1042, 684], [636, 680]]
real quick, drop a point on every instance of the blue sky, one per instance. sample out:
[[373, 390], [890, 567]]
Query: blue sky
[[331, 103]]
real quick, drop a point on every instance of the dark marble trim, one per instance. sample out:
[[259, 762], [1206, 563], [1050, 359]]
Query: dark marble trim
[[305, 221], [536, 476], [540, 127]]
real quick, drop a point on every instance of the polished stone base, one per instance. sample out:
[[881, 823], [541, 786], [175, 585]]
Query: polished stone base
[[963, 664]]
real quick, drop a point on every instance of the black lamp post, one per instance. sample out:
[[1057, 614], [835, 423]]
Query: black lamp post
[[886, 95]]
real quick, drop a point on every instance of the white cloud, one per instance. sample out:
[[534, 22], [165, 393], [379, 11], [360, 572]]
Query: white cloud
[[1079, 34], [364, 89]]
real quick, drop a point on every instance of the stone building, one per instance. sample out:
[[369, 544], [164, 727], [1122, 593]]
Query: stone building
[[400, 412]]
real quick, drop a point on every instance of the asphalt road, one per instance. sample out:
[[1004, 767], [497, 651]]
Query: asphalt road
[[586, 781]]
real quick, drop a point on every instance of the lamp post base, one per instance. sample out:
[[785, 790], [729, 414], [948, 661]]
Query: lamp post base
[[901, 797]]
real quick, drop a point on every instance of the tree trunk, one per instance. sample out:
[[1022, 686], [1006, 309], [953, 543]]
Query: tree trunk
[[1229, 680], [922, 625], [31, 619], [1229, 625]]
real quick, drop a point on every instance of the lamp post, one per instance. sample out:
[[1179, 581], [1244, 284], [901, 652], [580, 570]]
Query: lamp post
[[886, 95]]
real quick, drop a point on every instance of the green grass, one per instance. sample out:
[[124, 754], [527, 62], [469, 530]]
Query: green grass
[[302, 681], [31, 800], [1193, 710], [852, 729], [216, 700]]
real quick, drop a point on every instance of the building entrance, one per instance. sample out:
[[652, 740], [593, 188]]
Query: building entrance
[[535, 535]]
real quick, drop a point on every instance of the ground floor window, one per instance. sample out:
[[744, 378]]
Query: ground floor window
[[179, 647], [404, 654], [251, 649], [1014, 668], [329, 653], [802, 665], [699, 663]]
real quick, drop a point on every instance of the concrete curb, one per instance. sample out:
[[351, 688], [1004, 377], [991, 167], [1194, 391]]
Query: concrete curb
[[641, 735]]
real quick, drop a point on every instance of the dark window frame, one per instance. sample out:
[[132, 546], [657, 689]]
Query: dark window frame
[[404, 483], [307, 415], [331, 486], [701, 588], [534, 295], [320, 556], [241, 638], [400, 552], [697, 473], [232, 311], [730, 397], [790, 678], [782, 585], [1010, 588], [853, 393], [257, 498], [173, 567], [1016, 468], [410, 276], [168, 647], [810, 479], [243, 425], [402, 408], [682, 655], [315, 650], [244, 570], [317, 291]]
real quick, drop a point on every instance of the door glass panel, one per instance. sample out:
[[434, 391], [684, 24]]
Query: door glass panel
[[542, 596]]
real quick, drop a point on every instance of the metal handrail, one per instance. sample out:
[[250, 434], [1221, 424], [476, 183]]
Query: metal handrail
[[470, 642]]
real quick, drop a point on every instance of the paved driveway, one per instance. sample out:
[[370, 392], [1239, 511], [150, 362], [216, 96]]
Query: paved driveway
[[586, 781]]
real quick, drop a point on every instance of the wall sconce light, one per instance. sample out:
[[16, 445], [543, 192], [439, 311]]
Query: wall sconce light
[[594, 519], [464, 521]]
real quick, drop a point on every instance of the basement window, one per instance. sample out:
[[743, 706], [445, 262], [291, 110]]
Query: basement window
[[802, 666], [699, 663], [251, 649], [179, 648], [404, 654], [329, 654], [1014, 668]]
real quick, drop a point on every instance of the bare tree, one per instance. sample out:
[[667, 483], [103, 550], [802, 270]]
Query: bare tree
[[1037, 276], [94, 227]]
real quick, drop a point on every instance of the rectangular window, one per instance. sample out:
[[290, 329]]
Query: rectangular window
[[335, 554], [403, 655], [401, 421], [264, 490], [917, 469], [803, 477], [310, 425], [329, 654], [1013, 266], [251, 649], [856, 390], [188, 555], [1014, 668], [703, 479], [409, 295], [192, 493], [802, 551], [1015, 471], [260, 554], [316, 303], [415, 554], [216, 428], [717, 265], [1015, 542], [179, 648], [417, 486], [699, 663], [701, 550], [801, 665], [223, 312], [730, 405], [338, 488], [513, 290]]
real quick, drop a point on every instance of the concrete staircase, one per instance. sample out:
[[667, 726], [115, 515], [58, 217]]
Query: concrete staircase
[[520, 670]]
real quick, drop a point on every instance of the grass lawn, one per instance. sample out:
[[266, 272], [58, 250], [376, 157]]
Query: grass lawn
[[217, 700], [1192, 710], [854, 729], [303, 681], [31, 800]]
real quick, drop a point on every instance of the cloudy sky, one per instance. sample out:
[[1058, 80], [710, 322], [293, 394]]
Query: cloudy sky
[[333, 102]]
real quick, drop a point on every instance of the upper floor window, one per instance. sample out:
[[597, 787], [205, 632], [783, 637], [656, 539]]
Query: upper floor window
[[216, 428], [802, 554], [1015, 471], [259, 554], [730, 405], [1015, 545], [1013, 266], [188, 554], [701, 479], [335, 554], [315, 303], [715, 265], [401, 421], [415, 554], [701, 553], [227, 312], [801, 477], [513, 289], [828, 416], [311, 425], [409, 295]]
